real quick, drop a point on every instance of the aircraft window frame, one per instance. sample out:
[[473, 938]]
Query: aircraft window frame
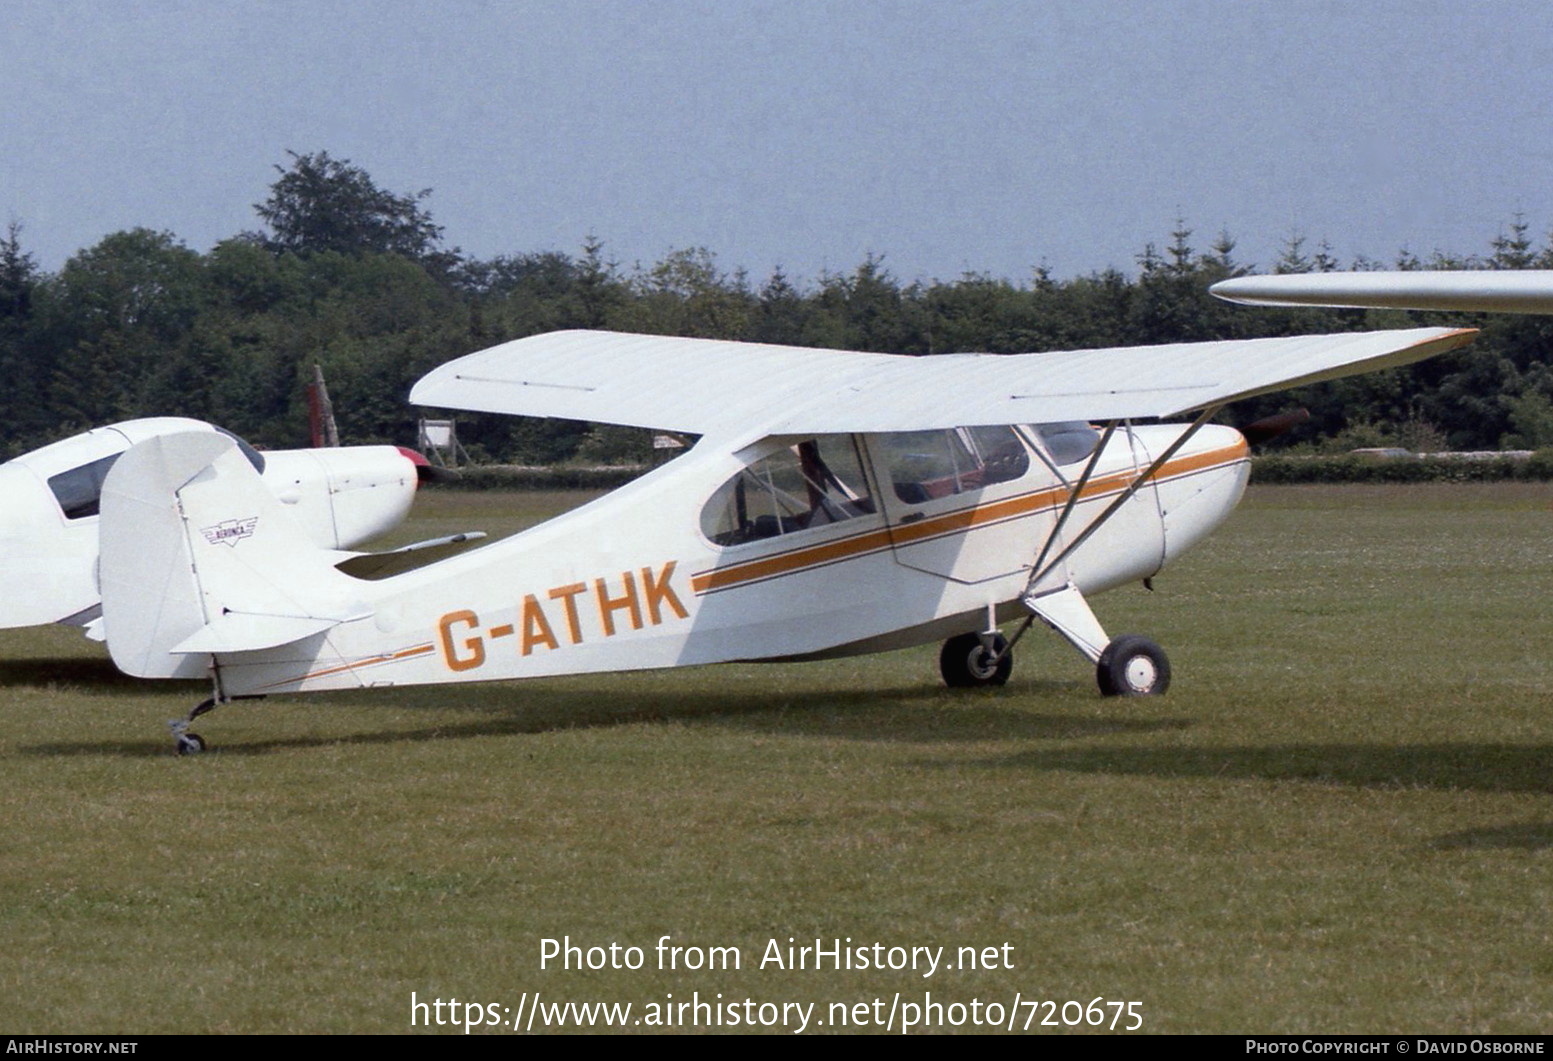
[[953, 461], [799, 487], [1065, 453], [254, 456], [999, 465], [78, 490]]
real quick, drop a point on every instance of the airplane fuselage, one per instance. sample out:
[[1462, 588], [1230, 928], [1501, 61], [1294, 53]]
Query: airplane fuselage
[[785, 548]]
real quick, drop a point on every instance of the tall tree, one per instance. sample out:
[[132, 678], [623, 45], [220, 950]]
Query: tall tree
[[1513, 250], [118, 313], [1293, 258], [687, 294], [19, 398], [323, 203], [18, 275]]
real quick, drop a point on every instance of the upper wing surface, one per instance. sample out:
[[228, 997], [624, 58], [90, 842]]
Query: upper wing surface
[[701, 386], [709, 386]]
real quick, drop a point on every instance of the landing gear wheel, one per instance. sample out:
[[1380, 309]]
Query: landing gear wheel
[[1133, 666], [965, 663], [185, 742]]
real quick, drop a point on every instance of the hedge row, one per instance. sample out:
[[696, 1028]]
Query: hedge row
[[552, 477], [1268, 470], [1348, 468]]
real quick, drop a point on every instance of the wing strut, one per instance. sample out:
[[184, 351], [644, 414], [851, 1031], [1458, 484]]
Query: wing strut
[[1126, 495], [1073, 496], [990, 635], [1064, 608]]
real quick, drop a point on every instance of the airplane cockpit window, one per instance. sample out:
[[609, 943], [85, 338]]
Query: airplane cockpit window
[[924, 465], [254, 456], [809, 485], [1003, 457], [79, 490], [1068, 442]]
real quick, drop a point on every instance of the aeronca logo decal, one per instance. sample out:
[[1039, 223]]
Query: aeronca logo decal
[[230, 531]]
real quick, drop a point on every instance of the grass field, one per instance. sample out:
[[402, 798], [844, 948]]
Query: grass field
[[1340, 819]]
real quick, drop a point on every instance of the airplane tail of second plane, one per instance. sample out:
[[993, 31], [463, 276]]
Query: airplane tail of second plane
[[199, 559]]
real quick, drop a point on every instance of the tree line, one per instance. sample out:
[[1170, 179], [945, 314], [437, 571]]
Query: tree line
[[359, 280]]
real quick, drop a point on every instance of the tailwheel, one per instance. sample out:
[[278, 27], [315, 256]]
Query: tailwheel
[[184, 742], [1133, 666], [967, 662]]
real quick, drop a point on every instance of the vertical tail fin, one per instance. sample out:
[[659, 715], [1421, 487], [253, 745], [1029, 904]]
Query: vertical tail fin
[[198, 558]]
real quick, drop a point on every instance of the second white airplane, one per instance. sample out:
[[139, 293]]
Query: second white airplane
[[1477, 290], [49, 501]]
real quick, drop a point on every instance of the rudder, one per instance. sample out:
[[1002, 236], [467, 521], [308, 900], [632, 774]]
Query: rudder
[[193, 544]]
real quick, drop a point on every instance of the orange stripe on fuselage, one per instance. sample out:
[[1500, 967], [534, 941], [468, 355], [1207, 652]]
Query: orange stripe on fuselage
[[956, 522], [370, 661]]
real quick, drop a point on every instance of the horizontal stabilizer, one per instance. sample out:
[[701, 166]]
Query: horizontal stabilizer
[[407, 558], [708, 386], [237, 632]]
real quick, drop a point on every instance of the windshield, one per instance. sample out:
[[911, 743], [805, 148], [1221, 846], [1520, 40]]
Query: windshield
[[1068, 442]]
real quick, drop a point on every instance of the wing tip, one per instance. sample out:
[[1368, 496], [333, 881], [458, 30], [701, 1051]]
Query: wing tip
[[1456, 336]]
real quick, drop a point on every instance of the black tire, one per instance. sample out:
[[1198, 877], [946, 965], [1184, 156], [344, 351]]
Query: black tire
[[190, 744], [1133, 666], [965, 664]]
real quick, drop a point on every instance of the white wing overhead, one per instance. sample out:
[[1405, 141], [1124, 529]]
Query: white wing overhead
[[707, 386], [695, 385], [1501, 291]]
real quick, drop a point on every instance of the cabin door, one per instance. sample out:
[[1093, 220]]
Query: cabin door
[[967, 504]]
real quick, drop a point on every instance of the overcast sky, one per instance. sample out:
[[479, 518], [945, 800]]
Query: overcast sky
[[989, 136]]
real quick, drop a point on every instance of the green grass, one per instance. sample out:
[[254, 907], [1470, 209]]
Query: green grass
[[1340, 819]]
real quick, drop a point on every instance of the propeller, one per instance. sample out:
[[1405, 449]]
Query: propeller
[[425, 470]]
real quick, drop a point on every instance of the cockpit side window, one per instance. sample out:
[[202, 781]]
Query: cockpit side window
[[79, 490], [924, 465], [802, 487], [1003, 457], [1068, 442], [254, 456]]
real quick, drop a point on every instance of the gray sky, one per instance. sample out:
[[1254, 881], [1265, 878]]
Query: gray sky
[[988, 136]]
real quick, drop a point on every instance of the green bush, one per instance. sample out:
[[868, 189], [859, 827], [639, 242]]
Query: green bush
[[1349, 468], [550, 477]]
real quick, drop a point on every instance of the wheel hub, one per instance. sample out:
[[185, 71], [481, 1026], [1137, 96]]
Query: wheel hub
[[1141, 673]]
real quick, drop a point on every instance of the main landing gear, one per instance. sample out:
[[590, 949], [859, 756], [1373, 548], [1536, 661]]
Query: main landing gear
[[967, 661], [1128, 665], [1132, 666]]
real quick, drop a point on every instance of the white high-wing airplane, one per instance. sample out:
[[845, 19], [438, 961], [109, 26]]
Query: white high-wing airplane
[[1486, 290], [836, 503], [49, 518]]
